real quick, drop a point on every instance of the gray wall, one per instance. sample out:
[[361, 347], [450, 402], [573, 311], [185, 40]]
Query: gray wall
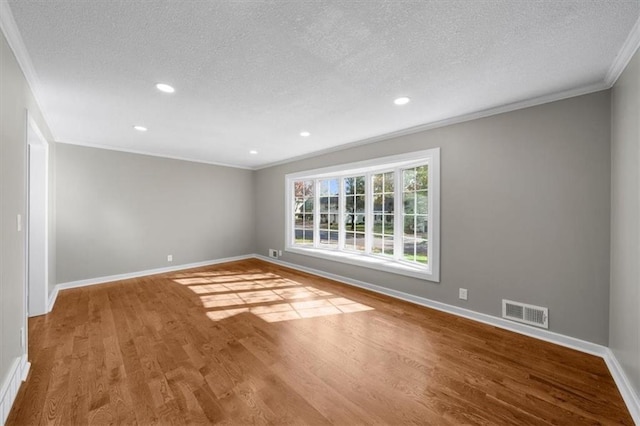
[[121, 213], [624, 326], [15, 99], [524, 212]]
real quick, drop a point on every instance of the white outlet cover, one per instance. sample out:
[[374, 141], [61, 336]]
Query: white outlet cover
[[462, 294]]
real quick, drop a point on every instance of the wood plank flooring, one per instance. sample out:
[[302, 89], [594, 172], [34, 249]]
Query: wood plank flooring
[[252, 343]]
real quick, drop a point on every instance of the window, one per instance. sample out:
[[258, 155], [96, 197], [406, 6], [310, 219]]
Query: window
[[381, 214]]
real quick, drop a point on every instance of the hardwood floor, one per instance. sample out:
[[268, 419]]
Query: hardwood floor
[[253, 343]]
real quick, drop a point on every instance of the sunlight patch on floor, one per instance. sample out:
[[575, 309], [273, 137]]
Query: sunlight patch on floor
[[295, 310], [266, 295]]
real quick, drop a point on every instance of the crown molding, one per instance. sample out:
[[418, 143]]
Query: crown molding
[[151, 154], [629, 48], [14, 39], [526, 103]]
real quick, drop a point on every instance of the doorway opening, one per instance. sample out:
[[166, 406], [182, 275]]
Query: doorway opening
[[38, 221]]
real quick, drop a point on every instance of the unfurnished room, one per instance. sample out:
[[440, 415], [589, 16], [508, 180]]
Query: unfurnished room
[[320, 212]]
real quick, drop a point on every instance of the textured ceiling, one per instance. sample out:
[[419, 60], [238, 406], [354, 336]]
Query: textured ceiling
[[251, 75]]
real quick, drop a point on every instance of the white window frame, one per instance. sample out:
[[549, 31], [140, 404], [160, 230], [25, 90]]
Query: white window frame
[[429, 272]]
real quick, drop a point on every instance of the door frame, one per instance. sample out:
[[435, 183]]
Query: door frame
[[37, 221]]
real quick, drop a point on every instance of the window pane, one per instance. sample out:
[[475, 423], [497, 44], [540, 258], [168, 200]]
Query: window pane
[[388, 182], [409, 202], [329, 187], [422, 199], [377, 203], [388, 246], [388, 224], [360, 185], [409, 179], [303, 188], [360, 204], [421, 227], [388, 203], [333, 204], [409, 225], [324, 188], [303, 212], [422, 177], [349, 186], [377, 184], [349, 204], [382, 245], [421, 252], [308, 205], [409, 249]]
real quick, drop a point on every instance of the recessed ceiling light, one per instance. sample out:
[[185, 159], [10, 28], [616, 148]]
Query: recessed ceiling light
[[165, 88], [305, 134], [140, 128], [253, 152], [402, 101]]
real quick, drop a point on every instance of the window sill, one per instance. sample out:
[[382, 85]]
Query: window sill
[[365, 261]]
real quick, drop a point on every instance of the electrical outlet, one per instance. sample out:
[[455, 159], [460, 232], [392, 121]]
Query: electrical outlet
[[22, 338], [169, 258], [462, 293], [280, 253], [273, 253], [19, 222]]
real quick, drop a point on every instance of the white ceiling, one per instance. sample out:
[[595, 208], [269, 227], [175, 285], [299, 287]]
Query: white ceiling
[[251, 75]]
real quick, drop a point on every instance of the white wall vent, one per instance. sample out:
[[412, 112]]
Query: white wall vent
[[528, 314]]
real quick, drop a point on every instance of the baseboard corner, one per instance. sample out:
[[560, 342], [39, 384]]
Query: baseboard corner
[[629, 395]]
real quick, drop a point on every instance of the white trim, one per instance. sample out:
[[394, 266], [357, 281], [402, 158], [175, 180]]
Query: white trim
[[40, 142], [629, 48], [16, 43], [526, 103], [17, 374], [378, 263], [151, 154], [118, 277], [360, 167], [630, 397]]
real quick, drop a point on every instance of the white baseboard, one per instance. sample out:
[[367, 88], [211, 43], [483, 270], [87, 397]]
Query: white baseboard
[[111, 278], [618, 374], [9, 390], [631, 398], [549, 336]]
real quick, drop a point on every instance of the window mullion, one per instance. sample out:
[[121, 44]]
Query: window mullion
[[341, 214], [316, 213], [368, 213], [397, 217]]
